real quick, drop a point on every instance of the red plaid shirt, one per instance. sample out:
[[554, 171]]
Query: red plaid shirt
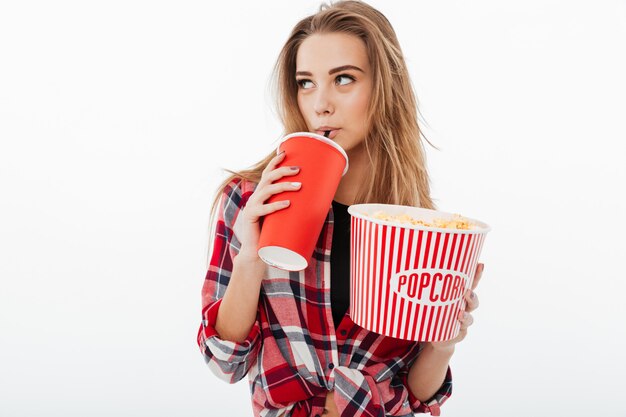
[[294, 355]]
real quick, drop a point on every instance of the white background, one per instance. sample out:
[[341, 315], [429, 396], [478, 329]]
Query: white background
[[116, 117]]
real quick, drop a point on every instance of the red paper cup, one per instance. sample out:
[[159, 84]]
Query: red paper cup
[[408, 281], [288, 236]]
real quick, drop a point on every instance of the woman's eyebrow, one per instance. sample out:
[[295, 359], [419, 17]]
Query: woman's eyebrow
[[332, 71], [344, 68]]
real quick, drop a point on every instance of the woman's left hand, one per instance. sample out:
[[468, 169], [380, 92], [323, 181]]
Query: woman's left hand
[[465, 316]]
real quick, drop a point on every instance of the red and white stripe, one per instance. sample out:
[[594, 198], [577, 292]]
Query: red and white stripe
[[380, 251]]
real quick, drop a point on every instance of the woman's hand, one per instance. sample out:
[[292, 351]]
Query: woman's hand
[[465, 316], [256, 207]]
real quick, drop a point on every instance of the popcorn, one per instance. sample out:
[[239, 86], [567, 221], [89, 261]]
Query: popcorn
[[457, 221]]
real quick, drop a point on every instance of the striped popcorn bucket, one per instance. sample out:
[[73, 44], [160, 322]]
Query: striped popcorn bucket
[[407, 281]]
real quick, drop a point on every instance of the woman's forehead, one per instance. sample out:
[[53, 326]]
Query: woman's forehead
[[325, 51]]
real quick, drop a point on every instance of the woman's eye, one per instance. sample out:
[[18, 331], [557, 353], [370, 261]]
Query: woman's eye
[[306, 84], [344, 79]]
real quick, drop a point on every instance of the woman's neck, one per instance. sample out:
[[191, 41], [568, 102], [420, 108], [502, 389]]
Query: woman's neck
[[351, 182]]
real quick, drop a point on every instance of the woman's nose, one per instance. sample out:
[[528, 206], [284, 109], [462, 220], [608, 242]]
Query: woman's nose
[[323, 103]]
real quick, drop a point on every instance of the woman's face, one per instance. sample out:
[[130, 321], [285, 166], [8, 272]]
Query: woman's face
[[334, 87]]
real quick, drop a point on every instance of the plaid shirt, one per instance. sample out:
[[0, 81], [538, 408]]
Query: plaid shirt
[[294, 355]]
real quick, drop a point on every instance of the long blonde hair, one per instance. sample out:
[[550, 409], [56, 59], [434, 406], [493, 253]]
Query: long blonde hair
[[394, 142]]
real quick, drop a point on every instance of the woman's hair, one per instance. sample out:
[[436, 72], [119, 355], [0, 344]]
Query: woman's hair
[[394, 141]]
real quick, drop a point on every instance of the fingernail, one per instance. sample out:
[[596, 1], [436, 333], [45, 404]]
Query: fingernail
[[285, 202], [296, 184], [473, 295], [465, 315], [295, 168], [281, 153]]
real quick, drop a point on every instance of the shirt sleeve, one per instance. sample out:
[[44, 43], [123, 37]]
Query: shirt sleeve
[[433, 404], [228, 360]]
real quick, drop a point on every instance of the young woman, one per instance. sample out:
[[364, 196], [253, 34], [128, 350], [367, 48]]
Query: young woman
[[341, 71]]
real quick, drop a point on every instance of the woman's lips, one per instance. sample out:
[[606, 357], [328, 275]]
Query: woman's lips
[[331, 135]]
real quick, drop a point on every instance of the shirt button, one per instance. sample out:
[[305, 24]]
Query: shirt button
[[331, 365], [343, 332]]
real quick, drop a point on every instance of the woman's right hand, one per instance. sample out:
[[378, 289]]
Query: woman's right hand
[[256, 208]]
